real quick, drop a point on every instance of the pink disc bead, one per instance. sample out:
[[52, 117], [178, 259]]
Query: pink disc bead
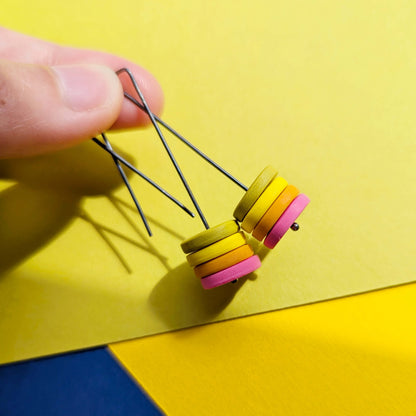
[[286, 220], [231, 273]]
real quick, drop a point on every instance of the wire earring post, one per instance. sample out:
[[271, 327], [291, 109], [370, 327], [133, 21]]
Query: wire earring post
[[188, 143], [166, 146], [127, 183], [143, 176]]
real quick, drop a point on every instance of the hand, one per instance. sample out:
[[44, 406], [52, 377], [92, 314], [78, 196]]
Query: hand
[[53, 97]]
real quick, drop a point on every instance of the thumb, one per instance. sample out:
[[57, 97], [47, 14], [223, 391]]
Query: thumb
[[49, 108]]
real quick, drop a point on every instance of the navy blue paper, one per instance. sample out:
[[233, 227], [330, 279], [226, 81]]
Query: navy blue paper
[[77, 384]]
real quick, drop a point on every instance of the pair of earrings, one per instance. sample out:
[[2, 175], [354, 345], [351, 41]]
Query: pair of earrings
[[221, 254]]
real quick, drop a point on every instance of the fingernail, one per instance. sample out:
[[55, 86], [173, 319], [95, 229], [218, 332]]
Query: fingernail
[[84, 87]]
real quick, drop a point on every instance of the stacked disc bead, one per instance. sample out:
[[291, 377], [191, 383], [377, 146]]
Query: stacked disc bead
[[270, 207], [220, 255]]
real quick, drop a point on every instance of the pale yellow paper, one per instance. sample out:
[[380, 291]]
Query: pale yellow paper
[[322, 90]]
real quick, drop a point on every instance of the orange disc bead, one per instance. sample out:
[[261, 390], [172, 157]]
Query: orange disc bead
[[274, 212], [224, 261]]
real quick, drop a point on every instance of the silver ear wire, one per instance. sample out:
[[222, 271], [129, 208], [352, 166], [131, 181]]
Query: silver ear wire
[[166, 146], [127, 183], [143, 176], [189, 144], [118, 160]]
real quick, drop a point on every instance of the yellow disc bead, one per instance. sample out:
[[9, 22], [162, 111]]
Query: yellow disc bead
[[263, 203], [210, 236], [217, 249], [253, 193]]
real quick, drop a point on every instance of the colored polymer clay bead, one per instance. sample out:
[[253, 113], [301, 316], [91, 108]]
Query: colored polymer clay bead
[[224, 261], [263, 203], [254, 191], [234, 272], [217, 249], [210, 236], [274, 212], [286, 220]]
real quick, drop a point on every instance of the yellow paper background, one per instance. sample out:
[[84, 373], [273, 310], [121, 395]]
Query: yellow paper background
[[322, 90]]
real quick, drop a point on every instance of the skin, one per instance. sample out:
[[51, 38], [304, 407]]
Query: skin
[[41, 112]]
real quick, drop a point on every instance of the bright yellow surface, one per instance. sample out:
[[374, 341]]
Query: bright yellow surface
[[353, 356], [323, 90]]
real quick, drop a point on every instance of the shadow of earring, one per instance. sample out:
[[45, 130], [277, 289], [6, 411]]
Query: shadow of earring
[[46, 197], [179, 299]]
